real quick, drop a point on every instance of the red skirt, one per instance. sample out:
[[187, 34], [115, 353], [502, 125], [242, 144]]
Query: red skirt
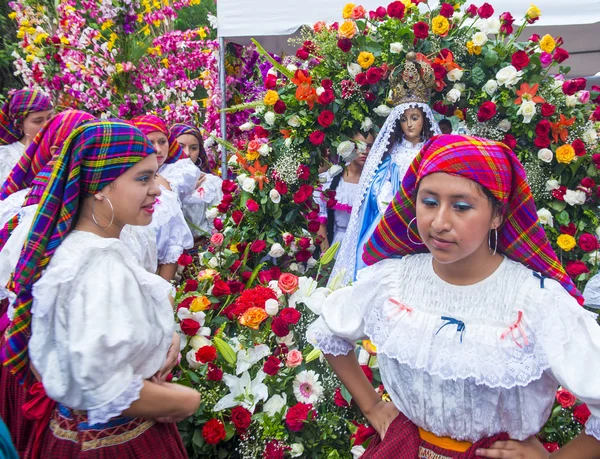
[[402, 441], [69, 436]]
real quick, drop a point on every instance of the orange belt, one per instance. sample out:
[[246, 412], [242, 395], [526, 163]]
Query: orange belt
[[445, 442]]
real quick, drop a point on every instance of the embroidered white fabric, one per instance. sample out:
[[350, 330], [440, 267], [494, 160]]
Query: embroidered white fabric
[[9, 157], [100, 322], [141, 241], [592, 427], [182, 175], [592, 292], [485, 384], [11, 206], [209, 194], [346, 258], [117, 406]]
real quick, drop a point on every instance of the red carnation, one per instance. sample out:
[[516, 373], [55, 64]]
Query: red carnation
[[317, 137], [303, 172], [368, 372], [541, 142], [560, 55], [279, 107], [214, 373], [362, 435], [345, 44], [551, 447], [581, 413], [237, 216], [241, 418], [298, 414], [290, 315], [510, 141], [520, 60], [542, 129], [559, 193], [206, 354], [272, 365], [213, 432], [281, 187], [326, 97], [579, 147], [396, 10], [184, 259], [258, 246], [374, 75], [439, 107], [252, 205], [421, 30], [191, 285], [548, 109], [339, 399], [486, 111], [485, 11], [189, 326], [574, 269], [326, 118], [327, 84], [302, 54], [588, 243], [280, 327], [220, 288], [569, 229], [446, 10]]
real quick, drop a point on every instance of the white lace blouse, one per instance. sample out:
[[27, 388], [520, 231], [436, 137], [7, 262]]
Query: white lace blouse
[[182, 175], [468, 361], [101, 325], [9, 157], [344, 195]]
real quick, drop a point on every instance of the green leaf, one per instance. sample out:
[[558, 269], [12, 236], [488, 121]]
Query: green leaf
[[477, 75], [491, 58], [197, 438], [558, 205], [312, 355], [225, 350], [229, 431], [346, 395], [563, 218], [276, 64]]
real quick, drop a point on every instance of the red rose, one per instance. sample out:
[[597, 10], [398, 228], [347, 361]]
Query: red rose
[[374, 75], [548, 109], [303, 172], [569, 87], [542, 129], [534, 38], [326, 118], [588, 182], [370, 97], [421, 30], [317, 137], [345, 44], [471, 11], [260, 132], [274, 449], [225, 203], [596, 115], [298, 414], [270, 81], [339, 399], [189, 326], [588, 243], [565, 398], [279, 107], [302, 54], [228, 186], [275, 273], [327, 84], [362, 435], [559, 193], [272, 365], [218, 224], [485, 11], [186, 303], [446, 10], [303, 256], [368, 372], [252, 205], [551, 447], [303, 194], [570, 229], [579, 147], [541, 142], [313, 226], [573, 269], [281, 187], [326, 97], [264, 276], [510, 141], [304, 243], [213, 432], [290, 315], [235, 286], [486, 111], [191, 285], [396, 10], [237, 216], [439, 71], [380, 12], [439, 107], [214, 373], [241, 418], [184, 259], [560, 55], [258, 246], [206, 354], [581, 413], [280, 327], [221, 288], [520, 60]]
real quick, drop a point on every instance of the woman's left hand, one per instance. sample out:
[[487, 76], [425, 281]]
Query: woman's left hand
[[172, 360], [512, 449]]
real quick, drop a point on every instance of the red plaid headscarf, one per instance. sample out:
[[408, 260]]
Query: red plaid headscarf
[[495, 167], [150, 123], [15, 110]]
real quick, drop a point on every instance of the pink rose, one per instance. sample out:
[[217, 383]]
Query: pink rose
[[217, 239], [294, 358]]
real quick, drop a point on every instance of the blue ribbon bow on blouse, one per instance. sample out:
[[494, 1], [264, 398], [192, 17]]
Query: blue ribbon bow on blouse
[[460, 325], [541, 277]]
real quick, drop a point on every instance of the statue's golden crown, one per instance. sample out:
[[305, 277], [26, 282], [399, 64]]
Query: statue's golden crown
[[412, 82]]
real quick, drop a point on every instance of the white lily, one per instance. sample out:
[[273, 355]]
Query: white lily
[[248, 357], [243, 391], [310, 294]]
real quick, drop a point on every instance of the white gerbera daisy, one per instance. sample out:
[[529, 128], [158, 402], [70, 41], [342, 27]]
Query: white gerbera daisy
[[307, 387]]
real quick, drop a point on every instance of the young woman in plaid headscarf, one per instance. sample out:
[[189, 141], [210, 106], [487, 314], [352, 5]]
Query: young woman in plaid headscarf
[[476, 325], [89, 323]]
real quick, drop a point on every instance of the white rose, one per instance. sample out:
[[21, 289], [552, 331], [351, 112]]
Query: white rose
[[292, 68], [191, 360], [571, 101], [276, 249], [396, 48], [213, 262], [297, 450], [552, 185], [346, 150], [241, 178], [271, 307], [361, 146], [264, 149], [270, 118], [383, 110], [493, 26], [545, 155], [294, 121], [199, 341], [508, 76], [590, 136], [504, 125], [491, 87], [212, 213], [288, 142], [335, 170], [354, 69], [367, 124], [460, 86], [545, 217], [275, 196], [320, 90], [275, 404], [247, 126], [453, 96], [594, 257], [457, 16], [575, 198], [249, 184], [274, 285], [294, 267], [527, 109], [455, 75], [272, 71], [232, 160], [479, 39], [311, 262]]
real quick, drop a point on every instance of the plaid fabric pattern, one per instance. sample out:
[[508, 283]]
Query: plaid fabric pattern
[[151, 123], [16, 108], [495, 167], [179, 129], [38, 154], [94, 155]]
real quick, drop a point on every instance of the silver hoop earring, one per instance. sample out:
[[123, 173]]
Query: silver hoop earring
[[493, 252], [408, 233], [112, 210]]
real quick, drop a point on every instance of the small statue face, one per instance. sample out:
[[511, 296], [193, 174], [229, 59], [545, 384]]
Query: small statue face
[[411, 123]]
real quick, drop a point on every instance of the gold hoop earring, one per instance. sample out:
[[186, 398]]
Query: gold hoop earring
[[493, 252], [408, 233], [112, 210]]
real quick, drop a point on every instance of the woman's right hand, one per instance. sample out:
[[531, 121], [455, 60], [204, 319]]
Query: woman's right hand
[[381, 416]]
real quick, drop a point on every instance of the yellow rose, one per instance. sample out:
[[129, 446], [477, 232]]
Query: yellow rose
[[566, 242], [369, 347], [234, 248], [440, 25], [271, 97], [347, 29], [347, 11], [472, 49], [200, 303], [207, 273], [547, 43], [253, 317], [533, 12], [459, 114], [365, 59], [565, 154], [252, 155]]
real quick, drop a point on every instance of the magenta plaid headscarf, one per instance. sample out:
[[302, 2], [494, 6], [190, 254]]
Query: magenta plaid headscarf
[[15, 110]]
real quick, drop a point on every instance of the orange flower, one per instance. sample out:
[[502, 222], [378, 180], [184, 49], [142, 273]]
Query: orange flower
[[526, 92], [286, 133], [305, 91], [559, 129], [369, 347], [200, 303], [242, 161], [259, 174], [253, 317], [447, 62]]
